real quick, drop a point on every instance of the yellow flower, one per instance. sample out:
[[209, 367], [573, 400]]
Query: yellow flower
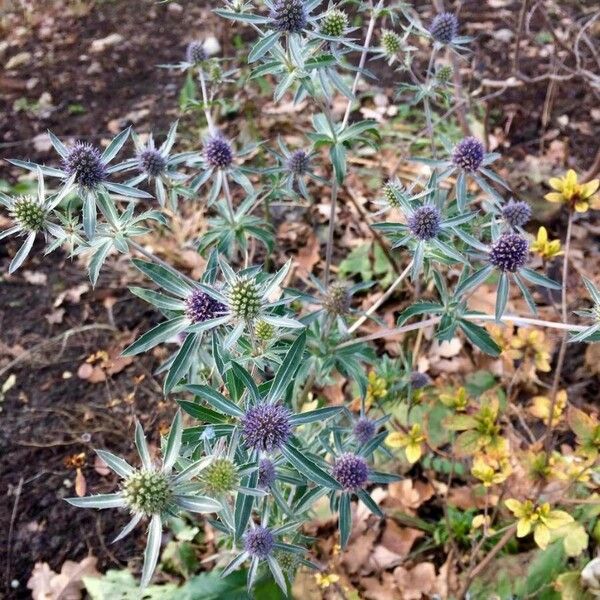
[[411, 442], [575, 195], [490, 471], [326, 580], [540, 407], [483, 521], [540, 519], [459, 400], [546, 248], [376, 389], [530, 345]]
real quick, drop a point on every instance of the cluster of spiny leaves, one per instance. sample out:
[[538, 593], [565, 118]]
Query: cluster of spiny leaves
[[249, 348]]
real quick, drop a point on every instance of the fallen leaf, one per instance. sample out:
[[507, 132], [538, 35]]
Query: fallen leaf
[[45, 584], [418, 582], [80, 483]]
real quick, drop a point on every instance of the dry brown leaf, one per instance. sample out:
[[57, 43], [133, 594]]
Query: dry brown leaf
[[399, 540], [420, 581], [308, 255], [45, 584], [408, 495], [380, 590], [80, 483]]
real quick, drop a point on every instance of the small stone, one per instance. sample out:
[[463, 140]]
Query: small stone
[[174, 8], [18, 60], [99, 46], [41, 143]]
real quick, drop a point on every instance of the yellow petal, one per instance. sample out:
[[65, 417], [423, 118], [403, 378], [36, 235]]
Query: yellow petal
[[395, 439], [413, 453], [581, 206], [514, 506], [590, 188], [557, 518], [554, 197], [523, 527], [541, 535], [556, 184], [542, 235], [571, 178]]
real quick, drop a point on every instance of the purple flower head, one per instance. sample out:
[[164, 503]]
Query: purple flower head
[[200, 307], [425, 222], [364, 430], [289, 16], [298, 162], [444, 28], [516, 213], [218, 152], [151, 162], [509, 252], [266, 473], [195, 53], [259, 542], [85, 162], [419, 380], [351, 471], [468, 154], [266, 427]]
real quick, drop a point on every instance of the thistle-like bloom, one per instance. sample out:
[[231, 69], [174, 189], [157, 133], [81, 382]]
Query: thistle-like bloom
[[152, 492], [337, 300], [419, 380], [31, 216], [351, 471], [200, 307], [443, 74], [424, 223], [510, 252], [259, 542], [264, 332], [577, 196], [468, 154], [364, 430], [516, 213], [86, 164], [220, 476], [195, 53], [334, 23], [391, 42], [218, 152], [444, 28], [266, 427], [289, 16], [298, 163], [244, 298]]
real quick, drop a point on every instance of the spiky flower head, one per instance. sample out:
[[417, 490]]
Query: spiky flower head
[[390, 190], [424, 223], [264, 331], [334, 23], [266, 473], [468, 154], [28, 213], [351, 471], [220, 477], [444, 28], [509, 252], [364, 430], [218, 152], [338, 299], [298, 162], [200, 307], [444, 74], [391, 42], [266, 427], [288, 561], [147, 492], [151, 162], [517, 213], [259, 542], [244, 298], [289, 16], [85, 162], [419, 380], [195, 52]]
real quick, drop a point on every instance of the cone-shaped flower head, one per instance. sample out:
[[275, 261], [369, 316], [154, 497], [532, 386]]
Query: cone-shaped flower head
[[517, 213], [195, 52], [337, 299], [444, 28], [264, 331], [28, 213], [85, 162], [364, 430], [266, 473], [289, 15], [419, 380], [298, 162], [351, 471], [468, 154], [509, 252], [391, 42], [334, 23], [266, 427], [390, 189], [425, 222], [444, 74], [147, 492], [220, 477], [244, 298], [200, 307], [259, 542], [218, 152], [151, 162]]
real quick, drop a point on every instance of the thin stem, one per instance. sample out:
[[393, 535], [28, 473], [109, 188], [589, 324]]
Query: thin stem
[[563, 344], [426, 103], [329, 250], [158, 261], [363, 60], [228, 196], [383, 298], [388, 332], [207, 114]]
